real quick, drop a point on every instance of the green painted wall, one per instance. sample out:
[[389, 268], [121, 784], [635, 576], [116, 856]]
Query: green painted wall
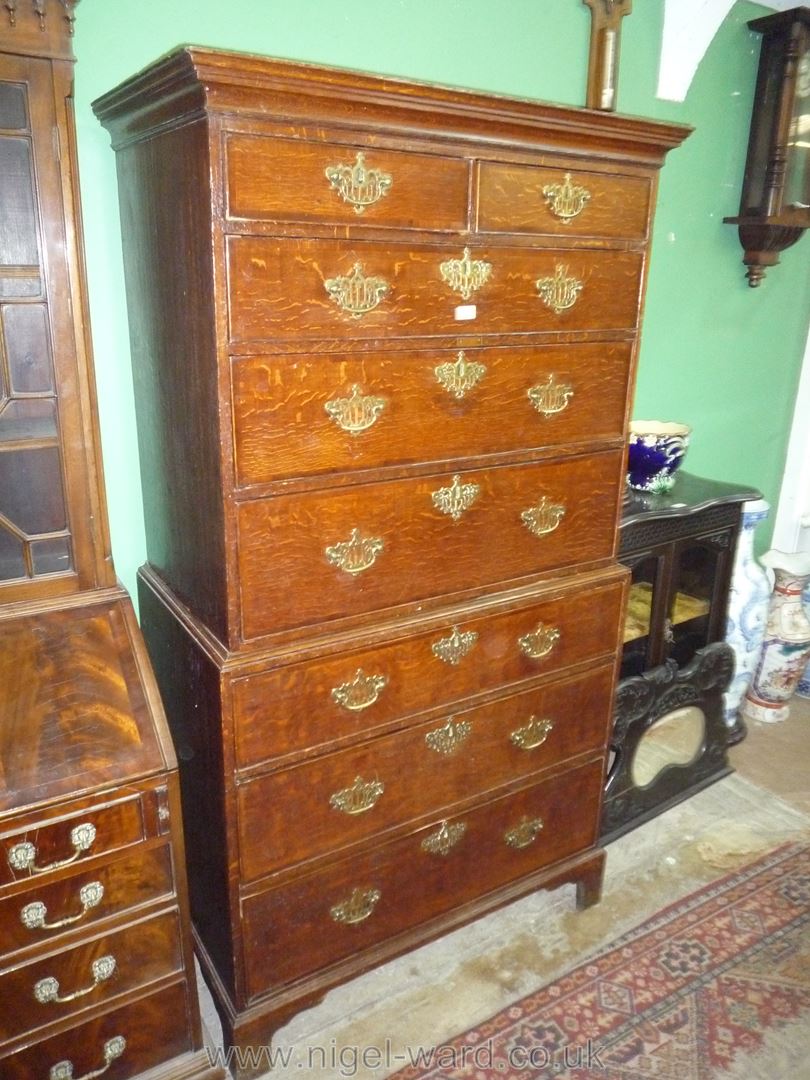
[[715, 354]]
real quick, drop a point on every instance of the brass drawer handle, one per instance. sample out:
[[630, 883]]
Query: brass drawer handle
[[453, 649], [460, 376], [113, 1049], [566, 200], [524, 833], [539, 642], [360, 693], [444, 839], [357, 908], [543, 518], [465, 275], [356, 554], [355, 293], [23, 856], [357, 799], [533, 734], [33, 915], [560, 291], [47, 990], [357, 412], [456, 499], [550, 397], [449, 737], [358, 185]]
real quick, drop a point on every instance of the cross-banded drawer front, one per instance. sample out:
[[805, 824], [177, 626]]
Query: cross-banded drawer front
[[294, 289], [562, 202], [321, 918], [319, 556], [295, 416], [328, 701], [293, 180], [342, 798]]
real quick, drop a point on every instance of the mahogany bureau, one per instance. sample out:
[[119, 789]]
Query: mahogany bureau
[[383, 337]]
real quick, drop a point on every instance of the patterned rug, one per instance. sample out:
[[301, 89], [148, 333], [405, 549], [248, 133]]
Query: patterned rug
[[716, 985]]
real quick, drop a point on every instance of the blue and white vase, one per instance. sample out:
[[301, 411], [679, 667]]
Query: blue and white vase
[[803, 689], [786, 648], [747, 611]]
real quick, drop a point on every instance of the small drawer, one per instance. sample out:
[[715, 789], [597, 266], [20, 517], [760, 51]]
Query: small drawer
[[322, 918], [332, 700], [47, 911], [47, 846], [298, 290], [561, 202], [342, 798], [88, 975], [291, 180], [298, 416], [319, 556], [125, 1042]]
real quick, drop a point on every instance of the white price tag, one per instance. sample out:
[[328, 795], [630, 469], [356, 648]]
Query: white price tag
[[464, 312]]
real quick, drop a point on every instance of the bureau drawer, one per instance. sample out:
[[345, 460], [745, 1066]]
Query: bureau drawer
[[328, 701], [48, 910], [292, 180], [91, 973], [318, 556], [50, 845], [296, 416], [324, 917], [336, 800], [284, 289], [128, 1041], [531, 199]]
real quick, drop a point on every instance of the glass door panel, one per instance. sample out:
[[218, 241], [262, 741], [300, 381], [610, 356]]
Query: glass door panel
[[695, 574], [638, 622]]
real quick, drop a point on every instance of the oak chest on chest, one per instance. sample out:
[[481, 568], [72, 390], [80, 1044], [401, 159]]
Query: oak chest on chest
[[383, 339]]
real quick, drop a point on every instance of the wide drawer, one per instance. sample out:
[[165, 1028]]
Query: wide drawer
[[297, 416], [532, 199], [120, 1044], [292, 180], [48, 910], [318, 556], [91, 973], [49, 845], [328, 701], [319, 919], [308, 289], [336, 800]]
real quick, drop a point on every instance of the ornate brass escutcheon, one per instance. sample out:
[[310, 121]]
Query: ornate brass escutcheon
[[444, 839], [465, 275], [524, 833], [550, 397], [360, 693], [357, 799], [356, 554], [47, 990], [449, 737], [457, 498], [355, 293], [566, 200], [23, 856], [35, 914], [357, 412], [560, 291], [113, 1049], [357, 908], [539, 642], [358, 185], [453, 649], [543, 518], [533, 734], [460, 376]]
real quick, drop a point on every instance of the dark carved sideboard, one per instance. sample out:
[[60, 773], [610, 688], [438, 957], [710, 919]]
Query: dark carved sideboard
[[96, 964], [383, 335]]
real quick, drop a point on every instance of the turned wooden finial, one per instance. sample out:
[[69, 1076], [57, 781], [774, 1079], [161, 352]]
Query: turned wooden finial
[[603, 60]]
